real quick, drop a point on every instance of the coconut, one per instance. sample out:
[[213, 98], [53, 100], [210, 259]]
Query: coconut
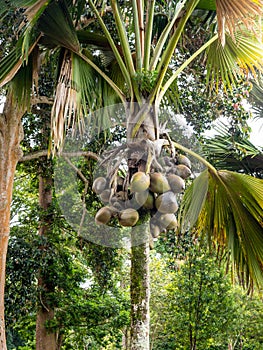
[[99, 185], [128, 217], [155, 231], [105, 196], [183, 171], [182, 159], [166, 203], [140, 182], [103, 216], [159, 183], [168, 221], [176, 183], [145, 199]]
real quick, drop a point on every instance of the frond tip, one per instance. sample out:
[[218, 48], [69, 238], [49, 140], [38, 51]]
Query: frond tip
[[228, 210]]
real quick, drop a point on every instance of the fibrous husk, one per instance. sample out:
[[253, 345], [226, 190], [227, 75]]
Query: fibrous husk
[[103, 216], [145, 199], [176, 183], [183, 171], [140, 182], [128, 217], [99, 184], [159, 183], [166, 203]]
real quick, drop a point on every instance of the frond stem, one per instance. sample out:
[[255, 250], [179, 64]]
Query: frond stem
[[148, 34], [113, 46], [196, 156], [183, 66]]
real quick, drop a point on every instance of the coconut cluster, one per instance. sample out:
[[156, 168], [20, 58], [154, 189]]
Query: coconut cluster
[[129, 198]]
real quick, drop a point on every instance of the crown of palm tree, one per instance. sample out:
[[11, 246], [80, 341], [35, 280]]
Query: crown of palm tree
[[224, 205]]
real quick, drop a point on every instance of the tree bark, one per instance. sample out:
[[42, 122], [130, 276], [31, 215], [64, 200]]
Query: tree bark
[[140, 292], [45, 339], [11, 133]]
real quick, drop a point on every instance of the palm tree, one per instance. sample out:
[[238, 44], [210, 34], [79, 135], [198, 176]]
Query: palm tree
[[136, 70]]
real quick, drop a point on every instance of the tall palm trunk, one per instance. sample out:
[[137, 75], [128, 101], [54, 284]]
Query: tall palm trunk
[[140, 273], [11, 133], [45, 339], [140, 295]]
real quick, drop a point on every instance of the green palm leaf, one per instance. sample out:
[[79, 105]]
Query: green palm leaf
[[232, 152], [225, 63], [227, 208], [57, 26]]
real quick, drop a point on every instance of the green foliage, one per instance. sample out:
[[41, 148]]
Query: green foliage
[[194, 304]]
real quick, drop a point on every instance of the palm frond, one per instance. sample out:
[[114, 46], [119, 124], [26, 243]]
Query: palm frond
[[64, 108], [232, 152], [236, 57], [256, 96], [22, 84], [33, 10], [80, 90], [57, 26], [11, 63], [230, 14], [229, 212]]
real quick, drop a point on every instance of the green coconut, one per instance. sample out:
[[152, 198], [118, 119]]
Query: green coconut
[[168, 221], [159, 183], [140, 182], [105, 195], [155, 231], [145, 199]]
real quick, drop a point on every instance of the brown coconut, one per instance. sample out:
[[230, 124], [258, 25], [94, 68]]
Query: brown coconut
[[128, 217], [103, 216], [182, 159], [176, 183], [166, 203], [99, 185], [183, 171]]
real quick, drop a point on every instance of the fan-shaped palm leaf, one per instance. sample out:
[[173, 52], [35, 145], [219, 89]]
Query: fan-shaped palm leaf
[[227, 208], [227, 151], [243, 54], [231, 13]]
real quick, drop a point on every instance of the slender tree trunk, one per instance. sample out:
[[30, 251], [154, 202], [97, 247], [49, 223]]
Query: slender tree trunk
[[11, 134], [45, 340], [140, 254], [140, 293]]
